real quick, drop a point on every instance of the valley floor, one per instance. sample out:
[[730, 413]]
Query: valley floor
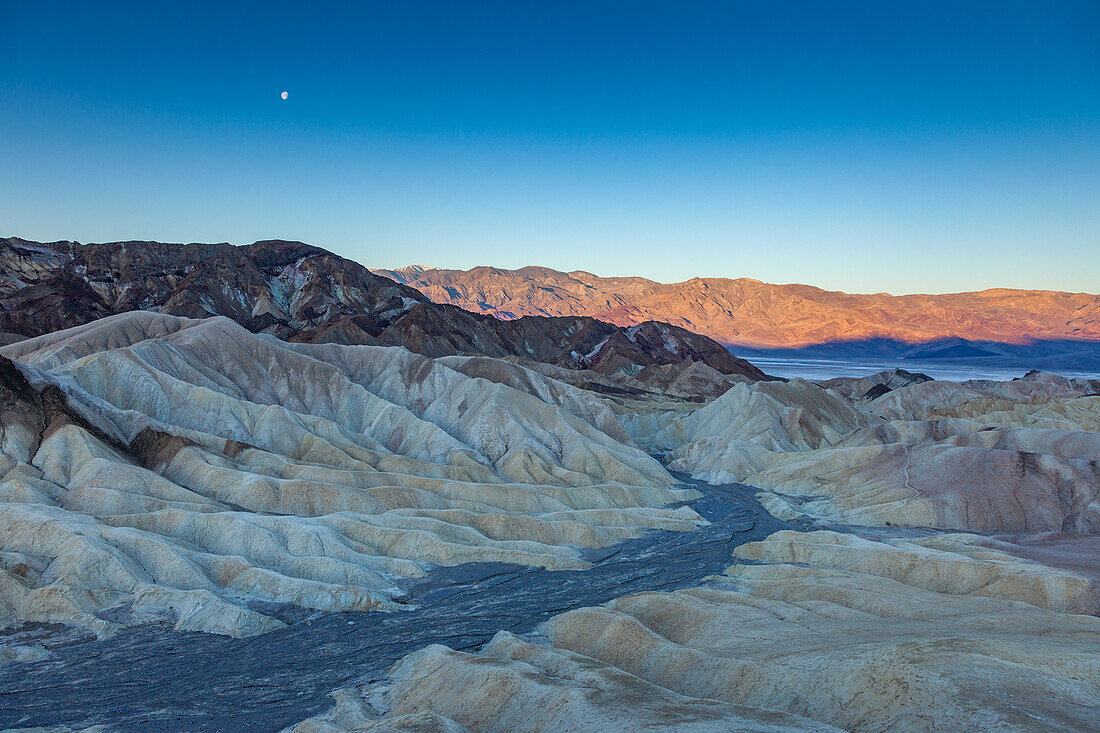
[[817, 368], [150, 676]]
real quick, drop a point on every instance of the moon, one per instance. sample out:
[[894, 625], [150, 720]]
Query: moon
[[284, 95]]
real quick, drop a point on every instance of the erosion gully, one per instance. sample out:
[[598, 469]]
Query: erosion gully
[[153, 678]]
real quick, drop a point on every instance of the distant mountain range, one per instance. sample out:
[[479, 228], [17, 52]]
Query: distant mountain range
[[1032, 327], [298, 292], [575, 320]]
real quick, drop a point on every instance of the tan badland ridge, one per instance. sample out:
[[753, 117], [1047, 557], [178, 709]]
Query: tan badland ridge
[[746, 312]]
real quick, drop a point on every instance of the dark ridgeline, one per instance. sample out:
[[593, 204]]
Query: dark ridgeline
[[298, 292]]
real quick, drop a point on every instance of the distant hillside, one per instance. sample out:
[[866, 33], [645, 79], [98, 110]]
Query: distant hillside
[[748, 313], [298, 292]]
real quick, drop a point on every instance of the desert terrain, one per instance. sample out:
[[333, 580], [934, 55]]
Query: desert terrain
[[215, 519]]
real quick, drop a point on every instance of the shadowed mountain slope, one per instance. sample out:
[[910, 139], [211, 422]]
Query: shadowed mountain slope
[[302, 293]]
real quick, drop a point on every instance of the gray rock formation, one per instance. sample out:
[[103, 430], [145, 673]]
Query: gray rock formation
[[185, 468], [1018, 456], [825, 628]]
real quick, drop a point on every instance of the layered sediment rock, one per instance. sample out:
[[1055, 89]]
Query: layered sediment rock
[[513, 685], [829, 629], [991, 456], [173, 468]]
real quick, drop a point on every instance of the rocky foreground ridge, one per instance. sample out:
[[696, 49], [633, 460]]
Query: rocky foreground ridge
[[749, 313], [802, 639], [164, 468]]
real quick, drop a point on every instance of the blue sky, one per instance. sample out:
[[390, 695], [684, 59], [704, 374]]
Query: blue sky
[[924, 147]]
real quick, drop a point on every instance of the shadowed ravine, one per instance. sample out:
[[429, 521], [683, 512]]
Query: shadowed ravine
[[151, 677]]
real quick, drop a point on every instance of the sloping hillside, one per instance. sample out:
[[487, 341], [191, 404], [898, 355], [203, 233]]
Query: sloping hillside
[[298, 292], [750, 313]]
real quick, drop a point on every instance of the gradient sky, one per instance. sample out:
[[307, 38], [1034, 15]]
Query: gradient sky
[[860, 146]]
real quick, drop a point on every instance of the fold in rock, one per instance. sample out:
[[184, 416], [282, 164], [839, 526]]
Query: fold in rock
[[823, 630], [193, 467]]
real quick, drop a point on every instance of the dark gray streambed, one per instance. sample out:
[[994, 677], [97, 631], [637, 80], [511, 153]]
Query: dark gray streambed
[[152, 678]]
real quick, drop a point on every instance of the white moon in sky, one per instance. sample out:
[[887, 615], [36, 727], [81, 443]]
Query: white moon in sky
[[284, 95]]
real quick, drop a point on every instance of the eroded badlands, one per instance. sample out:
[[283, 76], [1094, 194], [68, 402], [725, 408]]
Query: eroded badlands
[[1018, 456], [923, 626], [182, 469], [938, 569], [824, 631]]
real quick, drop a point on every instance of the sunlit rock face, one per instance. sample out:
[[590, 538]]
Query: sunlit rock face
[[751, 313], [824, 628], [184, 469]]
